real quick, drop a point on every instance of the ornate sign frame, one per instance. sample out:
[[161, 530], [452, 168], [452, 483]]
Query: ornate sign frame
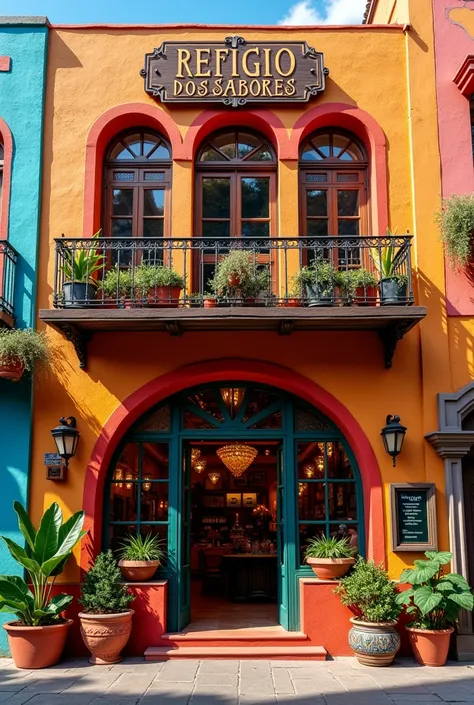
[[427, 488]]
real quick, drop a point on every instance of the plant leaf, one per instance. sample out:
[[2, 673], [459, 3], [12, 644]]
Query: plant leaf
[[25, 525], [456, 579], [19, 582], [20, 555], [426, 600], [424, 570], [10, 590], [74, 534], [403, 598], [48, 567], [46, 542], [463, 599], [442, 557], [407, 576]]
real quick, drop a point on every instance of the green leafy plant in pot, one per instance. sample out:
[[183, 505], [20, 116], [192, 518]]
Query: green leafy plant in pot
[[317, 283], [434, 600], [329, 557], [372, 597], [159, 285], [38, 636], [79, 267], [236, 275], [456, 224], [106, 618], [22, 351], [140, 556], [117, 285], [393, 285], [362, 287]]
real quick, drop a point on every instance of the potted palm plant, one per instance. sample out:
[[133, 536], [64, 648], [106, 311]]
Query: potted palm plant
[[159, 285], [329, 557], [106, 619], [117, 285], [20, 351], [456, 223], [140, 556], [372, 597], [79, 267], [393, 285], [434, 599], [38, 635], [317, 282]]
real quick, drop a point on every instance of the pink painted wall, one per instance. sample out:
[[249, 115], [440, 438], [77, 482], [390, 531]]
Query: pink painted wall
[[454, 41]]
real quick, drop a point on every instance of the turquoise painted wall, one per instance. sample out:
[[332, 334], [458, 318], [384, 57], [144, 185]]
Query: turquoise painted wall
[[22, 92]]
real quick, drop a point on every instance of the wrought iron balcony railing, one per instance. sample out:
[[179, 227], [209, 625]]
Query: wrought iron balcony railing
[[8, 258], [202, 272]]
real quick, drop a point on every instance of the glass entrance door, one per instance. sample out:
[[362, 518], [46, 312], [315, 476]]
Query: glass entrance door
[[184, 543], [282, 567]]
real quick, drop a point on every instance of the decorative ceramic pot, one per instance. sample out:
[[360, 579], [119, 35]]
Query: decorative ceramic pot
[[78, 294], [105, 635], [365, 296], [374, 644], [392, 293], [12, 371], [318, 295], [430, 647], [330, 568], [138, 571], [36, 647]]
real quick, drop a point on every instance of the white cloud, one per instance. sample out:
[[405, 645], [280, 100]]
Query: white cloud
[[334, 12]]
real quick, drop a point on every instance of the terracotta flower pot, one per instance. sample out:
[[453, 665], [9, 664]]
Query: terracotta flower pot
[[13, 371], [36, 647], [138, 571], [210, 303], [164, 296], [365, 296], [291, 303], [374, 644], [105, 635], [330, 568], [430, 647]]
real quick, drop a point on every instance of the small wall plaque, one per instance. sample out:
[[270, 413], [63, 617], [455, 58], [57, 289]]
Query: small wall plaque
[[52, 459], [56, 472], [413, 513]]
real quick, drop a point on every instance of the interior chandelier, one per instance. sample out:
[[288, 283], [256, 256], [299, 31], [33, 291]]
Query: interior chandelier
[[237, 457]]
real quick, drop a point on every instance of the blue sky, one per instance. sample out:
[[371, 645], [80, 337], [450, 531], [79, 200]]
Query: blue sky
[[205, 11]]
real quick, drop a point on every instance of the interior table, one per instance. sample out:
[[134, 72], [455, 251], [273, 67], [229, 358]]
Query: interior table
[[251, 576]]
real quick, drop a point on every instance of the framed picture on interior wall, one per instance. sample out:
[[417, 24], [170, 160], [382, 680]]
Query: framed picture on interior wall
[[259, 477], [233, 499], [240, 481], [213, 501], [249, 499]]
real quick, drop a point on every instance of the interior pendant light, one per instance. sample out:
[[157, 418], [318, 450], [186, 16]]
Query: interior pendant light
[[309, 469], [200, 465], [233, 398], [214, 477], [237, 457]]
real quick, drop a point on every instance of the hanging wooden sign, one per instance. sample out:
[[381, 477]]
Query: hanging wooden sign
[[413, 513], [234, 72]]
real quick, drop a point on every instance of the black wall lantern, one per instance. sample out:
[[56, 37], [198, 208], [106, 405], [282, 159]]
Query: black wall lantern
[[66, 437], [393, 435]]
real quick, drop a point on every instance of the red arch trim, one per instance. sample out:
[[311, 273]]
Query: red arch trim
[[215, 371], [102, 131], [7, 139]]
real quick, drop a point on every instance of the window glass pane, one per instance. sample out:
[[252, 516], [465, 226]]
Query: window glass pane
[[117, 534], [194, 421], [134, 144], [255, 229], [271, 421], [154, 202], [309, 531], [261, 155], [153, 227], [154, 175], [122, 201], [216, 228], [260, 399], [122, 227], [124, 499], [1, 152], [211, 155], [209, 400], [339, 466], [342, 501], [226, 144], [255, 194], [162, 152], [340, 142], [317, 228], [348, 202], [345, 531], [154, 499], [311, 501], [158, 420], [162, 533], [155, 461], [348, 227], [215, 197], [120, 152], [310, 154], [247, 143], [322, 143], [124, 176], [316, 202]]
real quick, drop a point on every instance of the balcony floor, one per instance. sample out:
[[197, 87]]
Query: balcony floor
[[391, 322]]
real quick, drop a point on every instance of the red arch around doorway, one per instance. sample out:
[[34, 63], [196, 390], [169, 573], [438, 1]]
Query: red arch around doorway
[[215, 371]]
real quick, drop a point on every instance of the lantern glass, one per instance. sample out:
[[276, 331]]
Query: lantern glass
[[393, 435], [66, 438]]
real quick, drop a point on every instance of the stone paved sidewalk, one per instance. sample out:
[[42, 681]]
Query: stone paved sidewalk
[[338, 682]]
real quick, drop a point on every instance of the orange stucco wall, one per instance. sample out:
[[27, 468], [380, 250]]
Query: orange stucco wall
[[385, 72]]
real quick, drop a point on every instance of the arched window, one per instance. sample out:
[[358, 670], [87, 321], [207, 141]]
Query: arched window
[[333, 185], [236, 186], [138, 180]]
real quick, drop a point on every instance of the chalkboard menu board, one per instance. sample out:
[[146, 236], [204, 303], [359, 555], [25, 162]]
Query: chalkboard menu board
[[413, 512]]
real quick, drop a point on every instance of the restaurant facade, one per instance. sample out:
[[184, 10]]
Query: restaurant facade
[[234, 343]]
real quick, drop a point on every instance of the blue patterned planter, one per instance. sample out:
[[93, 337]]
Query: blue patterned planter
[[374, 644]]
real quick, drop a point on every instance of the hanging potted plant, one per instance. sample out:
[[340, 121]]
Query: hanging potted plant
[[393, 285], [362, 287], [117, 286], [372, 597], [80, 266], [235, 273], [140, 557], [106, 620], [456, 224], [329, 557], [159, 285], [317, 283], [22, 351], [434, 600], [38, 635]]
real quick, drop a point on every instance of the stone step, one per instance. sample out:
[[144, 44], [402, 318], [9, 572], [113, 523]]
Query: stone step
[[275, 635], [289, 653]]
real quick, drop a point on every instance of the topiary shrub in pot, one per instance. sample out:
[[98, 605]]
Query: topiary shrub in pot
[[434, 600], [140, 556], [38, 635], [106, 620], [22, 351], [456, 224], [372, 596], [329, 558]]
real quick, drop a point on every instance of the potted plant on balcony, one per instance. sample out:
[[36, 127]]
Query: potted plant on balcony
[[117, 286], [456, 223], [234, 274], [79, 267], [159, 285], [256, 287], [38, 635], [20, 351], [210, 300], [318, 282], [434, 599], [372, 597], [329, 557], [362, 287], [140, 556], [106, 620], [393, 284]]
